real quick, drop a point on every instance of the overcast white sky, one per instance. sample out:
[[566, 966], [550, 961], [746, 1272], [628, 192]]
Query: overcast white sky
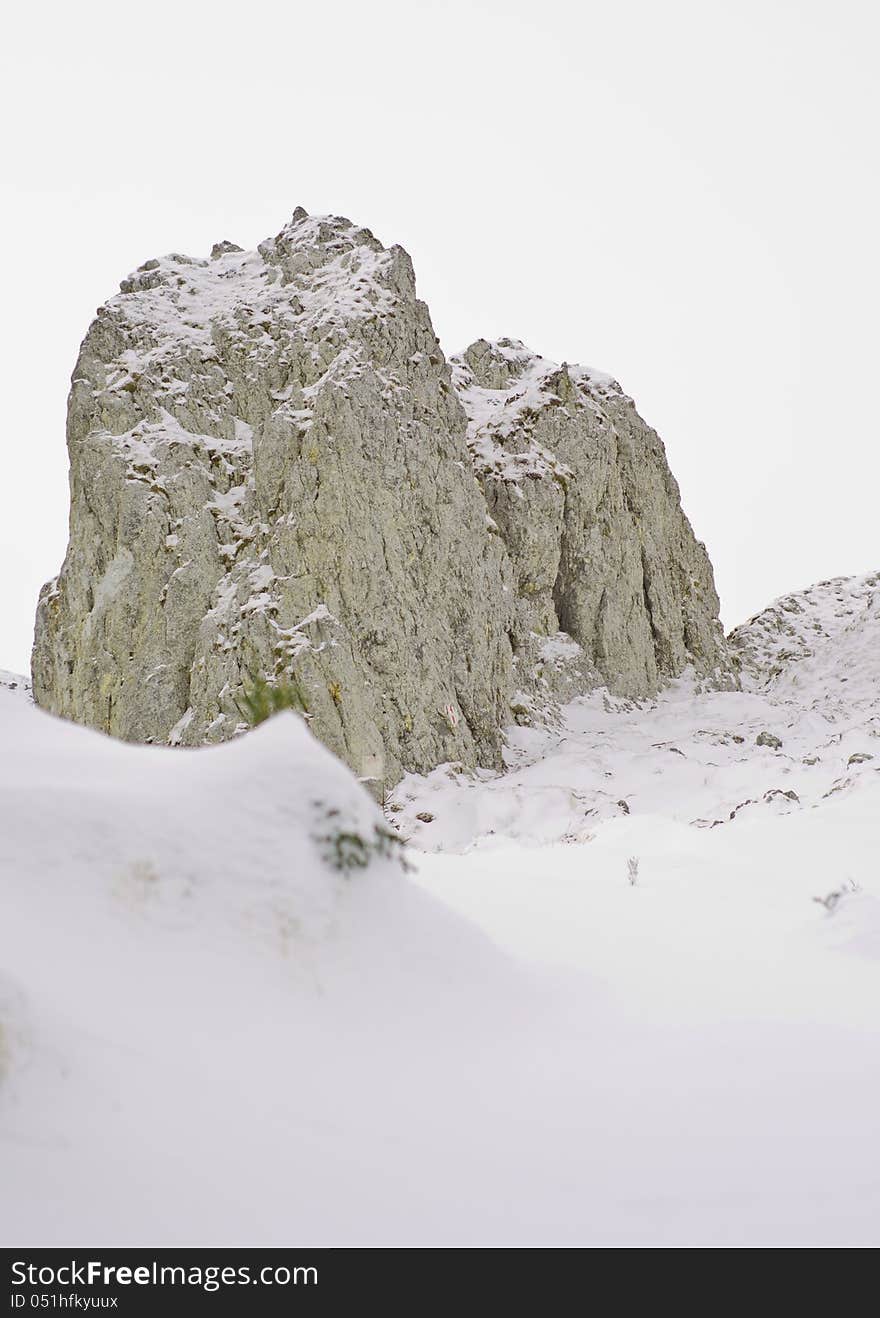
[[684, 194]]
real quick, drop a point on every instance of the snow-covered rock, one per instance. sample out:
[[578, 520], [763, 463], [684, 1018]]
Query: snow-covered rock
[[272, 477], [269, 478], [816, 641], [590, 513]]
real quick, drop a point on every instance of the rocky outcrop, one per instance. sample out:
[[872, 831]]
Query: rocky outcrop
[[818, 647], [590, 513], [269, 477], [273, 477]]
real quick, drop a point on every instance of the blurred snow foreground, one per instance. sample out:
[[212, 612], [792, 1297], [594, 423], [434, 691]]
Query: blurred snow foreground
[[607, 1009]]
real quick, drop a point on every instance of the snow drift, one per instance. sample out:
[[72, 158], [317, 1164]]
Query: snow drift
[[212, 1032]]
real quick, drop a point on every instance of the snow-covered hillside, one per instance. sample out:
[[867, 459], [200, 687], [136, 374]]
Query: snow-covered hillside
[[805, 728], [635, 1025]]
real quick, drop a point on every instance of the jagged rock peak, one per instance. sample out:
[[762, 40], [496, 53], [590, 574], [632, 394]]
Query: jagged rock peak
[[509, 364], [581, 492], [274, 476], [318, 269], [270, 480], [503, 386]]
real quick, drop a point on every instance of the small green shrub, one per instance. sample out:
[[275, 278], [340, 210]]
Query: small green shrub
[[262, 699], [345, 849]]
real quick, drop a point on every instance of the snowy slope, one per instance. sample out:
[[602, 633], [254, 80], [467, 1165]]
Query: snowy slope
[[14, 681], [212, 1035], [812, 635], [193, 993], [805, 727]]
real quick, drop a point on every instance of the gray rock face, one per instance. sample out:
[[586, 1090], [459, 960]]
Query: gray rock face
[[589, 511], [272, 476]]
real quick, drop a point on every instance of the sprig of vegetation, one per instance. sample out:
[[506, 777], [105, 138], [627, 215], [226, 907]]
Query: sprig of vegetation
[[346, 849], [261, 699]]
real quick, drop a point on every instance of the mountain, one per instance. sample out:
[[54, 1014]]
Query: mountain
[[277, 477]]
